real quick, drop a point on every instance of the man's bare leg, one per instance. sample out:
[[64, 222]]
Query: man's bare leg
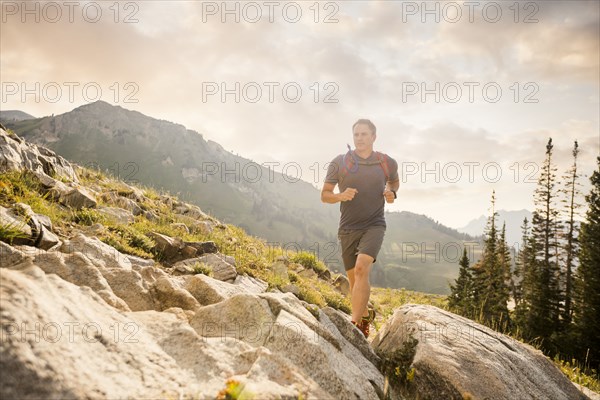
[[351, 279], [360, 288]]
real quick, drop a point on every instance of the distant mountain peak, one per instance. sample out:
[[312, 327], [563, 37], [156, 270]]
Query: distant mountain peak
[[513, 219]]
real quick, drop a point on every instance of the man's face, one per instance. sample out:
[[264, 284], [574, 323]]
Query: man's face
[[363, 137]]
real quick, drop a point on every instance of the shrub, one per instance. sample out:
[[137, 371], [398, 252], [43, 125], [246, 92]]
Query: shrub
[[308, 260], [201, 268]]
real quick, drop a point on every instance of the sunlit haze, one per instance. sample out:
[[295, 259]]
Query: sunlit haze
[[464, 95]]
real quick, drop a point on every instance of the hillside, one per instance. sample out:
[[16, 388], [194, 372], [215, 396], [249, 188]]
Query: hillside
[[181, 305], [167, 156], [7, 116], [422, 254]]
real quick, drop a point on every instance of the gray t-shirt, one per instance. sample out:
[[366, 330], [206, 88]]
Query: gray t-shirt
[[366, 209]]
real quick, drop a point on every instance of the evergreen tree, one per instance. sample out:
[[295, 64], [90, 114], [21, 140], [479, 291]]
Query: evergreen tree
[[571, 245], [503, 277], [516, 280], [544, 233], [490, 289], [460, 300], [527, 311], [587, 278]]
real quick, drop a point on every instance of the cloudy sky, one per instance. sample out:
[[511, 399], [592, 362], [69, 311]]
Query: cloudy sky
[[464, 95]]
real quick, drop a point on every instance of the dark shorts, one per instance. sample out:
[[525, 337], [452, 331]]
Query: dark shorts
[[360, 241]]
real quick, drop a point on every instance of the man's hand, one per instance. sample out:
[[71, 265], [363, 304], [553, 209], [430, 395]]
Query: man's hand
[[348, 194], [389, 196], [327, 195]]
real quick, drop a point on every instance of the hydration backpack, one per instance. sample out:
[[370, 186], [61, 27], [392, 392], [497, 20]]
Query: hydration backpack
[[350, 164]]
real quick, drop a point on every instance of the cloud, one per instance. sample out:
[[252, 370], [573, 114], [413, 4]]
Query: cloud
[[371, 50], [562, 46]]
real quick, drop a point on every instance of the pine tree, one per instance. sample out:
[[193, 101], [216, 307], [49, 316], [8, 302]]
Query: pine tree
[[571, 246], [587, 278], [503, 277], [489, 279], [516, 281], [460, 300], [527, 311], [544, 227]]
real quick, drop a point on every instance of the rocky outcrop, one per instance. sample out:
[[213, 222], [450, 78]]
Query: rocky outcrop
[[202, 330], [62, 341], [456, 358], [17, 154], [71, 194], [280, 323], [269, 343]]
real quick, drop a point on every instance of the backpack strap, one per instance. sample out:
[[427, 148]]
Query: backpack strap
[[349, 164], [383, 160]]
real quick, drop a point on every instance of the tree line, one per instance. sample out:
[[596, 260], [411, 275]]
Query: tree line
[[553, 284]]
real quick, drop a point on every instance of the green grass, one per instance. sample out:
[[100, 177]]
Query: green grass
[[87, 217], [201, 268], [308, 260], [575, 372], [387, 300], [10, 232], [24, 187]]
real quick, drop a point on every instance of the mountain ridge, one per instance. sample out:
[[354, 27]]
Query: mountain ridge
[[512, 218], [14, 115]]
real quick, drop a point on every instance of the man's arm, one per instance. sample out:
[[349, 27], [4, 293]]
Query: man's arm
[[389, 187], [327, 195], [395, 185]]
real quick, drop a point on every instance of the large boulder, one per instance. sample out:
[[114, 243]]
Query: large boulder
[[280, 323], [117, 215], [79, 197], [456, 358], [208, 290], [12, 257], [261, 373], [87, 261], [63, 341], [171, 249], [115, 199], [71, 194], [76, 268]]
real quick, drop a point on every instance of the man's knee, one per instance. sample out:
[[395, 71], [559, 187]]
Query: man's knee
[[363, 265]]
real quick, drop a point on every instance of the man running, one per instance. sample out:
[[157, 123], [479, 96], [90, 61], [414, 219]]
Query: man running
[[365, 178]]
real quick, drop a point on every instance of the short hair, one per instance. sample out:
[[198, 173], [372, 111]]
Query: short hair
[[367, 122]]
